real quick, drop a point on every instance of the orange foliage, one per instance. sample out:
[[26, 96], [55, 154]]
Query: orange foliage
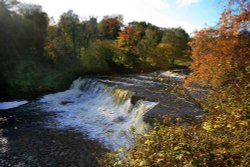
[[127, 39], [235, 17], [218, 53], [112, 25]]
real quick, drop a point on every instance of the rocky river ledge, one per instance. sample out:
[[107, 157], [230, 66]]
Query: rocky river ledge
[[95, 115]]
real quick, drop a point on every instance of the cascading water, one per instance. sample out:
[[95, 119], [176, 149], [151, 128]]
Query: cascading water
[[104, 112], [63, 129]]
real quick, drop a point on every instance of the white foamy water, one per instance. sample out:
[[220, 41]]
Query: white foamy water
[[103, 112], [11, 104], [172, 75]]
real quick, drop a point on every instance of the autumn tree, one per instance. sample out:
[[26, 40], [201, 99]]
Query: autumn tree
[[153, 47], [128, 41], [110, 26], [127, 44], [54, 44], [131, 35], [221, 136], [220, 52]]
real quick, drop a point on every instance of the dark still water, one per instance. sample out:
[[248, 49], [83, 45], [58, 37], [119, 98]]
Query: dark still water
[[93, 116]]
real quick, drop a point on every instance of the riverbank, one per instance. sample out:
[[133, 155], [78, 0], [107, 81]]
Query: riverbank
[[67, 127], [57, 81], [27, 138]]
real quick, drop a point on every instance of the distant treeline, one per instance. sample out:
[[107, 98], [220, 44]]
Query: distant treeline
[[39, 56]]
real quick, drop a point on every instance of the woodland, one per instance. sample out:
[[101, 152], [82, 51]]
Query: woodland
[[38, 55]]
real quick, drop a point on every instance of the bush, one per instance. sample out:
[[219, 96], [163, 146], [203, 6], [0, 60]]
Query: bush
[[221, 139], [220, 60]]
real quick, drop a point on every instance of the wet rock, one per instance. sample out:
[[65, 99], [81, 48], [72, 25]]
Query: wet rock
[[66, 102], [135, 98], [118, 119], [20, 164], [29, 158]]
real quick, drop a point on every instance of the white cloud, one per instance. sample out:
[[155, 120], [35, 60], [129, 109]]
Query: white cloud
[[133, 10], [157, 4], [182, 3], [157, 12], [101, 7]]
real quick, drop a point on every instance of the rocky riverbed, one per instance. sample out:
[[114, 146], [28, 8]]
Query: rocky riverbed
[[95, 115], [28, 139]]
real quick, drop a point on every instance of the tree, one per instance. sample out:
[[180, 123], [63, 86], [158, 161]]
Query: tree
[[218, 54], [110, 26], [8, 4], [54, 44], [23, 32], [69, 29], [127, 43], [88, 32], [146, 47], [7, 44], [100, 58], [176, 39], [126, 38], [38, 23], [138, 42]]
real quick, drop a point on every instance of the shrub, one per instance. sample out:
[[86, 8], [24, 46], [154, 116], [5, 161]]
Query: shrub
[[221, 139]]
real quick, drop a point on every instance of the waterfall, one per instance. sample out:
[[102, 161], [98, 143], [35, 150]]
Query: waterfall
[[101, 110]]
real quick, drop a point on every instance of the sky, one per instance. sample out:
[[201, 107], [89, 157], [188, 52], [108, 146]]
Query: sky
[[189, 14]]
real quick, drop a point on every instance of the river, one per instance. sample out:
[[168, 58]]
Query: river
[[95, 115]]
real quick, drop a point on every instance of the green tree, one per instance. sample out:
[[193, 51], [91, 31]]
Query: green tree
[[38, 23], [100, 58], [146, 47], [176, 39], [88, 32], [69, 29]]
